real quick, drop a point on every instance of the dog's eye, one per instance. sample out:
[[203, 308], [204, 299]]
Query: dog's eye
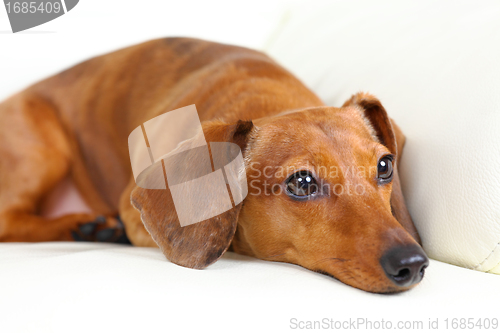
[[384, 168], [301, 184]]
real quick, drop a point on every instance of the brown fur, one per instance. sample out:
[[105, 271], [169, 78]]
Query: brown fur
[[76, 123]]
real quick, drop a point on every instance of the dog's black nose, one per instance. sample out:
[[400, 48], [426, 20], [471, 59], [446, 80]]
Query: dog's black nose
[[405, 266]]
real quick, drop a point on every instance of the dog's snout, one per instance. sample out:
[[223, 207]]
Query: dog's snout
[[405, 266]]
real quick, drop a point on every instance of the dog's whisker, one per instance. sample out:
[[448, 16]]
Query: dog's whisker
[[337, 260]]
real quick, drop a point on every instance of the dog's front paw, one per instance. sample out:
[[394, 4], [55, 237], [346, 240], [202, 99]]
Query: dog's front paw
[[102, 229]]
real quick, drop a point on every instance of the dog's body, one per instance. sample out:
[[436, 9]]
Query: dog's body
[[72, 129]]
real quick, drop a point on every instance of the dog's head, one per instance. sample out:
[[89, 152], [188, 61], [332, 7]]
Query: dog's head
[[323, 193]]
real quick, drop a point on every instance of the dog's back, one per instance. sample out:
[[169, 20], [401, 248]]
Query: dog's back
[[100, 101]]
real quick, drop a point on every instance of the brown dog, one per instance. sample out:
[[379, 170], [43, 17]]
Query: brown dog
[[72, 129]]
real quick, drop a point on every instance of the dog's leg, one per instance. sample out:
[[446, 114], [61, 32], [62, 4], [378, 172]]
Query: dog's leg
[[131, 217], [34, 157]]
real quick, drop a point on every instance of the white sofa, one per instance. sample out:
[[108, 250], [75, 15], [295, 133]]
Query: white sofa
[[435, 67]]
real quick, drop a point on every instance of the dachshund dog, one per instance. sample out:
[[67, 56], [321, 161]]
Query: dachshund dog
[[324, 191]]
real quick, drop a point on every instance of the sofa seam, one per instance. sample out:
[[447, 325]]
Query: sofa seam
[[489, 255], [494, 268]]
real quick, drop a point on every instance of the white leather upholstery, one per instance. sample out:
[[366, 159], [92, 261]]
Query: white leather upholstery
[[88, 287], [435, 67]]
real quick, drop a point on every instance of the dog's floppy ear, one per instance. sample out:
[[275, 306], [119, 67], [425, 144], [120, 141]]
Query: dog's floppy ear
[[390, 135], [200, 244]]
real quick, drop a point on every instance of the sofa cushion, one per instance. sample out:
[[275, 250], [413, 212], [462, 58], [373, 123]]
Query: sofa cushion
[[91, 287], [434, 66]]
